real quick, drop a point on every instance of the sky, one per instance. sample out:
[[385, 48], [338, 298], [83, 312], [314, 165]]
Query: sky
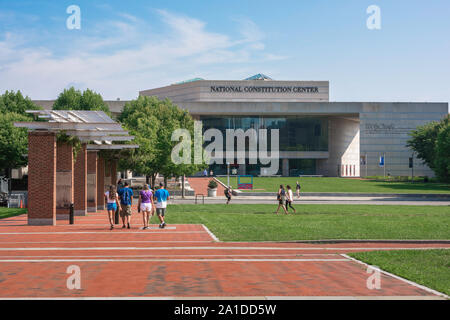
[[123, 47]]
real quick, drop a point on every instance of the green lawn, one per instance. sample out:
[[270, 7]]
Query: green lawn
[[11, 212], [329, 184], [241, 222], [430, 268]]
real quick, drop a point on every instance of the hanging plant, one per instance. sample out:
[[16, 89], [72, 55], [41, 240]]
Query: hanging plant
[[73, 141]]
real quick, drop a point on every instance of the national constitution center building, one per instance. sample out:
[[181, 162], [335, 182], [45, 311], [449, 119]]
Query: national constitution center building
[[316, 136]]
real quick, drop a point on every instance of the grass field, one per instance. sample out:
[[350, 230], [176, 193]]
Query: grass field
[[430, 268], [250, 222], [241, 222], [329, 184], [10, 212]]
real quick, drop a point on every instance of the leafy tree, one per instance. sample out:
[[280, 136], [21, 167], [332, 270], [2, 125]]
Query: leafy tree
[[71, 99], [152, 122], [442, 161], [431, 142], [15, 102], [13, 141]]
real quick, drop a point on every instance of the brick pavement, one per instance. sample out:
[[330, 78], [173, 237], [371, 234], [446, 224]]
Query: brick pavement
[[181, 261]]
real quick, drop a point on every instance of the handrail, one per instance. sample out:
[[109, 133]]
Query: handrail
[[198, 195]]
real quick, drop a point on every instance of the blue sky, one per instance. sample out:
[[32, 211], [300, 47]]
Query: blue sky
[[127, 46]]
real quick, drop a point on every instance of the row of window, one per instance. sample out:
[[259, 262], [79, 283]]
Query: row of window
[[295, 133]]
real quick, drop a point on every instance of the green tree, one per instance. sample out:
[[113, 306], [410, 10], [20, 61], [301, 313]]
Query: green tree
[[442, 161], [71, 99], [430, 144], [15, 102], [14, 141], [152, 122]]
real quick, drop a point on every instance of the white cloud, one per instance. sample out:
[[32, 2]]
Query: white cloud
[[122, 57]]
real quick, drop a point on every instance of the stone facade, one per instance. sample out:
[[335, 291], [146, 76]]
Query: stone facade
[[359, 132]]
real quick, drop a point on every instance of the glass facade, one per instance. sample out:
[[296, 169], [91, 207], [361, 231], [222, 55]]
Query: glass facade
[[295, 133]]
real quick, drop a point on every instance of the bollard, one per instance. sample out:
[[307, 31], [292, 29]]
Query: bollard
[[71, 214]]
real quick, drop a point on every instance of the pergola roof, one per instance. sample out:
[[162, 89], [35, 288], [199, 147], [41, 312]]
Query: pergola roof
[[94, 126]]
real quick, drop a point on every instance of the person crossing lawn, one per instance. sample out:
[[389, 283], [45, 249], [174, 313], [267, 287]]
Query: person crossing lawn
[[281, 197], [126, 199], [161, 196], [289, 199]]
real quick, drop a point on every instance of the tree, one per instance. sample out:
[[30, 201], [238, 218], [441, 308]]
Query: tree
[[13, 141], [71, 99], [431, 142], [442, 161], [14, 102], [152, 122]]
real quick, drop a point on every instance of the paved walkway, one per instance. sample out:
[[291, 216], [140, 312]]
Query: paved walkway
[[180, 261]]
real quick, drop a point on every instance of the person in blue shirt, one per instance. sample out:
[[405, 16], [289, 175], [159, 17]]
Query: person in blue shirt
[[126, 200], [161, 197]]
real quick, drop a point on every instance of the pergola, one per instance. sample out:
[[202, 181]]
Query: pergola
[[55, 178]]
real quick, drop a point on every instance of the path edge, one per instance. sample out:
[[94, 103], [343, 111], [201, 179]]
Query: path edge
[[415, 284], [212, 235]]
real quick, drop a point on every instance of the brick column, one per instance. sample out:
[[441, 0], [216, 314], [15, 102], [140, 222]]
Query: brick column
[[80, 182], [92, 181], [41, 178], [100, 183], [107, 174], [114, 172], [64, 180]]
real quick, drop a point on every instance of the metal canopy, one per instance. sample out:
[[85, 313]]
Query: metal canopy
[[94, 126], [111, 146]]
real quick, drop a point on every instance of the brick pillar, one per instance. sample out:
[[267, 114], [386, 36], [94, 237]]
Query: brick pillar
[[114, 172], [41, 178], [64, 180], [80, 182], [92, 181], [100, 183], [107, 174]]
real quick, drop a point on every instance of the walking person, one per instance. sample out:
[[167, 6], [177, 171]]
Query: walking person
[[297, 189], [119, 184], [146, 205], [112, 202], [228, 193], [281, 197], [126, 200], [290, 198], [161, 196]]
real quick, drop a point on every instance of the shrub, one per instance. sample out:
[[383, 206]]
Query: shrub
[[212, 184]]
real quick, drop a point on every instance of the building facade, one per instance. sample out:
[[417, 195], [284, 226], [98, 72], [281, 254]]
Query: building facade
[[316, 136]]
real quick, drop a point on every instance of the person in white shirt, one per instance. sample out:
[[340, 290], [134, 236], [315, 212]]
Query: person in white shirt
[[290, 198]]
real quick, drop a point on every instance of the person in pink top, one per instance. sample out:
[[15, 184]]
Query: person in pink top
[[145, 204]]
